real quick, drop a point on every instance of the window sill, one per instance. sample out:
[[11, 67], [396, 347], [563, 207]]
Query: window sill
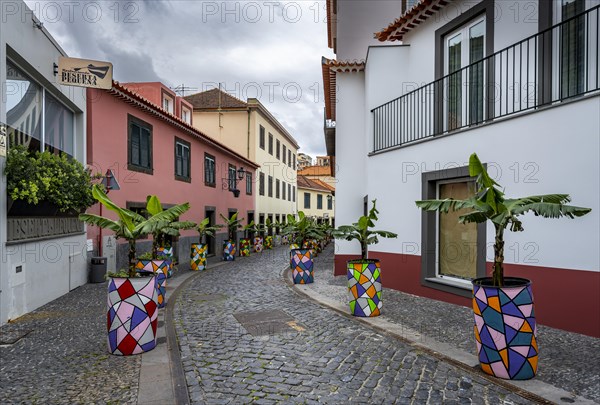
[[213, 185], [449, 286], [184, 179], [140, 169]]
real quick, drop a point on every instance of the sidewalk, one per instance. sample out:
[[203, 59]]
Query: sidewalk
[[569, 366]]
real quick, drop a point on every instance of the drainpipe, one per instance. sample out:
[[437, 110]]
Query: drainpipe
[[248, 138]]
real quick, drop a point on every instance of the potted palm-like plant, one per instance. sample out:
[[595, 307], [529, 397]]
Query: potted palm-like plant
[[268, 236], [505, 325], [199, 250], [131, 327], [229, 246], [364, 274], [154, 262], [245, 242], [302, 230]]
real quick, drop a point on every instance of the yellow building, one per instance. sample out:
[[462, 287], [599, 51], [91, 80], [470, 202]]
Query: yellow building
[[250, 129], [315, 199]]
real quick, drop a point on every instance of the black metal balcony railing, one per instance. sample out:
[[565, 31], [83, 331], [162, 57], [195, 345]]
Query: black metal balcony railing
[[559, 63]]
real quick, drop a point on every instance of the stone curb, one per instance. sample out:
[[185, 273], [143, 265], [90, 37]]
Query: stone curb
[[533, 390], [162, 379]]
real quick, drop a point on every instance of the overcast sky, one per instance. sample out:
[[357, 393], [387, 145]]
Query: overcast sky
[[266, 49]]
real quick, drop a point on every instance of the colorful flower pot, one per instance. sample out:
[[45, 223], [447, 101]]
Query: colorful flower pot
[[229, 250], [258, 244], [303, 269], [268, 242], [308, 245], [364, 287], [160, 269], [245, 247], [132, 315], [167, 254], [505, 328], [285, 240], [292, 247], [198, 256]]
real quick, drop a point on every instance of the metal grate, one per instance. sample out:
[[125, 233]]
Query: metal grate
[[268, 322]]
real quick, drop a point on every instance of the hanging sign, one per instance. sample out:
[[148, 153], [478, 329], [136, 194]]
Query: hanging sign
[[85, 73]]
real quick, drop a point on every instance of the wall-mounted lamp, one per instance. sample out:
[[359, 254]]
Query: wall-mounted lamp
[[231, 184]]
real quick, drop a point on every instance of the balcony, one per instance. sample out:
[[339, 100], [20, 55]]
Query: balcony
[[555, 65]]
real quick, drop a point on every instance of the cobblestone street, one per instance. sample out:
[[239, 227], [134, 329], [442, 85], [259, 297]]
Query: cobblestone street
[[307, 354]]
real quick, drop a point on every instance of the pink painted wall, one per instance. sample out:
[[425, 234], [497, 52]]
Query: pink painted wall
[[107, 149]]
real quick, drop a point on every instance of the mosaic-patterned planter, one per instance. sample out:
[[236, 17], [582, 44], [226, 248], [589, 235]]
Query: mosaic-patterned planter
[[292, 247], [285, 240], [303, 268], [268, 242], [160, 269], [167, 253], [364, 287], [244, 247], [505, 328], [132, 315], [229, 250], [198, 256], [258, 244]]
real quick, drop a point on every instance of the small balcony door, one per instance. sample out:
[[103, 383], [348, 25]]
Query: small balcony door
[[464, 88]]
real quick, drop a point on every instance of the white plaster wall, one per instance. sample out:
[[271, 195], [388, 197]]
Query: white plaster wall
[[358, 20], [555, 151], [351, 155], [43, 280]]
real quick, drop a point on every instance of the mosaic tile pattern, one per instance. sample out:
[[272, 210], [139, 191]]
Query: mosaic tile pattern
[[160, 269], [198, 256], [167, 254], [258, 244], [268, 242], [132, 315], [229, 250], [244, 247], [505, 331], [292, 247], [303, 269], [364, 288]]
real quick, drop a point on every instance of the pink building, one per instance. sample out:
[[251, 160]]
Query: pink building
[[143, 133]]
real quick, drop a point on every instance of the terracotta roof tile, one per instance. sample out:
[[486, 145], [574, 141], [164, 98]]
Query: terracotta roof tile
[[418, 13], [213, 99], [315, 171], [323, 184], [305, 182]]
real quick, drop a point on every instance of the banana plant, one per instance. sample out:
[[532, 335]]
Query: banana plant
[[248, 229], [130, 225], [232, 224], [205, 229], [154, 207], [302, 229], [489, 203], [362, 232]]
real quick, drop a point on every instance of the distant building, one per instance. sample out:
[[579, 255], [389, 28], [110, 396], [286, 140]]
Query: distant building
[[304, 161], [323, 161], [316, 199], [144, 133], [322, 173], [251, 130]]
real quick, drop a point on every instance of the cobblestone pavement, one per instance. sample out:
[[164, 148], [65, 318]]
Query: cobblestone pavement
[[64, 359], [316, 356], [570, 361]]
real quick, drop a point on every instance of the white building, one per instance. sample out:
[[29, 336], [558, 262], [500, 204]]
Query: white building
[[42, 259], [516, 82]]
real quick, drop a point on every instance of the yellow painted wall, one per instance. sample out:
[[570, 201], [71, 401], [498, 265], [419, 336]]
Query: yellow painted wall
[[313, 211]]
